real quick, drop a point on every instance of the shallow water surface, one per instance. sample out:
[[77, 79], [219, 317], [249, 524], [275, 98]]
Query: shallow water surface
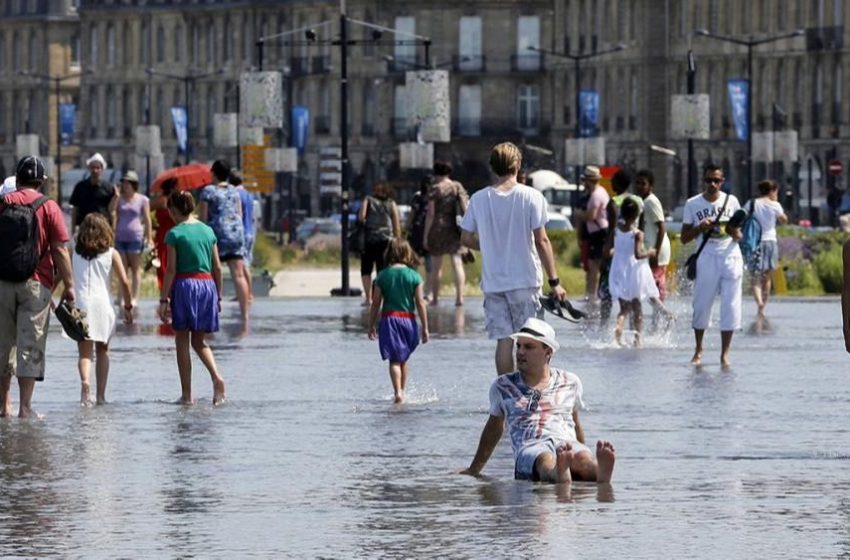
[[309, 458]]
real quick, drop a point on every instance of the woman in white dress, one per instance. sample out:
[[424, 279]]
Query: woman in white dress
[[630, 278], [94, 259]]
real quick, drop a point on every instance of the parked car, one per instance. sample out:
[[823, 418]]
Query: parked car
[[313, 226], [557, 222]]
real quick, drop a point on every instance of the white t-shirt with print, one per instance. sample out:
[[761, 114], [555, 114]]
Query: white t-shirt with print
[[504, 222], [652, 214], [531, 415], [697, 208], [766, 212]]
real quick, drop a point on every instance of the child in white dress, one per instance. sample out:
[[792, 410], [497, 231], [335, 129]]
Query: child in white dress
[[630, 279], [94, 259]]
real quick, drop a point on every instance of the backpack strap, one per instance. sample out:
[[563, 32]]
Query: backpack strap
[[38, 203]]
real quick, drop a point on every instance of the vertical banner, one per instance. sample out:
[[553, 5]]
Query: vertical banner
[[261, 99], [67, 122], [428, 105], [738, 90], [178, 116], [300, 123], [588, 112]]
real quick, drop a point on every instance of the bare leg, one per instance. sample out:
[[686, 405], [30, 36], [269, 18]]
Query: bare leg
[[765, 286], [591, 288], [366, 279], [5, 396], [134, 262], [238, 275], [757, 293], [249, 280], [505, 356], [395, 379], [26, 386], [725, 343], [405, 370], [436, 276], [460, 278], [205, 353], [102, 370], [621, 321], [637, 314], [85, 350], [184, 366], [698, 335]]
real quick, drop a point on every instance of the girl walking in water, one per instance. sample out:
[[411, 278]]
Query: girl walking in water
[[94, 260], [191, 292], [397, 291], [630, 278]]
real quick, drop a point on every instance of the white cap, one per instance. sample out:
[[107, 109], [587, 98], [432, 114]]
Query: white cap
[[96, 158], [540, 331]]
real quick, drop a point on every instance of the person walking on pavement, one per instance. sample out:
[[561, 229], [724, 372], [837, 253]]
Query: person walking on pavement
[[93, 194]]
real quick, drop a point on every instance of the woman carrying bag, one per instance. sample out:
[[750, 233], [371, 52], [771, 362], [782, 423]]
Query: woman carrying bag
[[379, 218]]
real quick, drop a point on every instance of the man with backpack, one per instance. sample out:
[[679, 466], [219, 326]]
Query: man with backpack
[[34, 236]]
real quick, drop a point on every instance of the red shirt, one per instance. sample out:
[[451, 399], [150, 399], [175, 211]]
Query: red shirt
[[51, 229]]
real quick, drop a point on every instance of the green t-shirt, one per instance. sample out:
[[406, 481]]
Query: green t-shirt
[[194, 243], [398, 286]]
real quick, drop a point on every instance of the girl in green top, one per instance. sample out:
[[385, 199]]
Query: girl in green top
[[396, 291]]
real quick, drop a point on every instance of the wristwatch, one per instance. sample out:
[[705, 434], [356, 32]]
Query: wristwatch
[[554, 282]]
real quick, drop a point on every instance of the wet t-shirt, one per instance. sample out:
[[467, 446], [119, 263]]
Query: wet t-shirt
[[533, 415]]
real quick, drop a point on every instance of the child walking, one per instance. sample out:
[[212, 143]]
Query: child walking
[[93, 261], [630, 278], [191, 292], [396, 291]]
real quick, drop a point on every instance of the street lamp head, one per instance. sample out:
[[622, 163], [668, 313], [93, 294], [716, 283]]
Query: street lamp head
[[310, 34], [703, 32]]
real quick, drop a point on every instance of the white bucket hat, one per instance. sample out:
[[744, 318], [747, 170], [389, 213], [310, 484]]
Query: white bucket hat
[[540, 331], [96, 158]]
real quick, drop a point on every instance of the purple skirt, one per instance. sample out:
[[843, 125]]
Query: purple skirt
[[398, 337], [194, 305]]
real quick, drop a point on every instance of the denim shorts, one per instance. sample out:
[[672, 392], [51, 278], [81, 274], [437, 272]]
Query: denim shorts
[[527, 456], [129, 246]]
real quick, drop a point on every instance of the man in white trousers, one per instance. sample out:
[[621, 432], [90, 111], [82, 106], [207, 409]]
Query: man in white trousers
[[720, 266]]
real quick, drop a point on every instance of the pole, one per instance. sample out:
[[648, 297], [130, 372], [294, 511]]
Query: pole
[[749, 120], [238, 138], [260, 44], [58, 146], [186, 81], [811, 206], [577, 70], [427, 54], [692, 89]]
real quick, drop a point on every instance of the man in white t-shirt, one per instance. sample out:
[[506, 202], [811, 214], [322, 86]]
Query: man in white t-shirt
[[540, 406], [768, 212], [720, 267], [506, 223], [654, 230]]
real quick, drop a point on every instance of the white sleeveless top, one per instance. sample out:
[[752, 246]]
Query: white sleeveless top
[[92, 286]]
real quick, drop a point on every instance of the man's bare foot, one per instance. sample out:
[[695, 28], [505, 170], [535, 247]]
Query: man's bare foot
[[218, 392], [28, 412], [185, 402], [563, 461], [697, 359], [605, 457]]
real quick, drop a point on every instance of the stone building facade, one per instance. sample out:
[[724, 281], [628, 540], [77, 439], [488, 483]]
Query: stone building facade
[[499, 88]]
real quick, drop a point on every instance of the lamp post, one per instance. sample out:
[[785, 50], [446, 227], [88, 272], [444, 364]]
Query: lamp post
[[188, 82], [692, 89], [749, 43], [57, 82], [577, 58]]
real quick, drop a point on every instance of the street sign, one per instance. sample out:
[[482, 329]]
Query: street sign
[[255, 176], [835, 168]]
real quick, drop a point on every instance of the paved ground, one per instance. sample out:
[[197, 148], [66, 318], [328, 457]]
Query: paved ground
[[311, 282]]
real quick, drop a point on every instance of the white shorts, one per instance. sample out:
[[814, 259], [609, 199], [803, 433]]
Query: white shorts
[[527, 456], [506, 312], [719, 271]]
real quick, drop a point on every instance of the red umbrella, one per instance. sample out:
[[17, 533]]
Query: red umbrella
[[192, 176]]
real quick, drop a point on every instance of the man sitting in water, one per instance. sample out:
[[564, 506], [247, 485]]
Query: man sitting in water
[[540, 406]]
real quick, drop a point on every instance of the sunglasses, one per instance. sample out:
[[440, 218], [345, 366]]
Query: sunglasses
[[534, 401], [713, 180]]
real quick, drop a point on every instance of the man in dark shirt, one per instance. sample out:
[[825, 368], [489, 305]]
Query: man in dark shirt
[[93, 194]]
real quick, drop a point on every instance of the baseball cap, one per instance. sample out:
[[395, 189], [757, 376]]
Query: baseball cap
[[30, 170], [540, 331]]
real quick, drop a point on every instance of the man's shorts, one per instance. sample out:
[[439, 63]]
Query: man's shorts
[[506, 312], [659, 274], [596, 244], [24, 315], [527, 456]]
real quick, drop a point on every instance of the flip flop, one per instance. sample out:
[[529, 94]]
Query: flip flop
[[73, 320], [563, 309]]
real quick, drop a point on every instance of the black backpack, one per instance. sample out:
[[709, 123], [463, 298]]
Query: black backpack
[[19, 251]]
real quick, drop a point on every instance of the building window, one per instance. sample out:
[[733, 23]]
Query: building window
[[225, 43], [128, 45], [211, 44], [33, 54], [145, 45], [126, 115], [178, 43], [528, 108], [400, 112], [196, 45], [634, 102], [111, 112], [405, 54], [369, 102], [470, 43], [469, 111], [838, 77], [160, 112], [247, 41], [75, 50], [94, 110], [528, 35], [110, 45], [160, 44], [93, 53]]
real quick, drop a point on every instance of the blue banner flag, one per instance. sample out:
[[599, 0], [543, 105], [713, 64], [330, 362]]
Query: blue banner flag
[[178, 115], [300, 122], [67, 122], [588, 113], [738, 99]]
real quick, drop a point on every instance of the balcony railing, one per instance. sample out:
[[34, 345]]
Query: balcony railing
[[526, 62], [467, 63]]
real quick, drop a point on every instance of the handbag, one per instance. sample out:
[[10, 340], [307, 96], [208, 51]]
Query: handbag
[[691, 263]]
